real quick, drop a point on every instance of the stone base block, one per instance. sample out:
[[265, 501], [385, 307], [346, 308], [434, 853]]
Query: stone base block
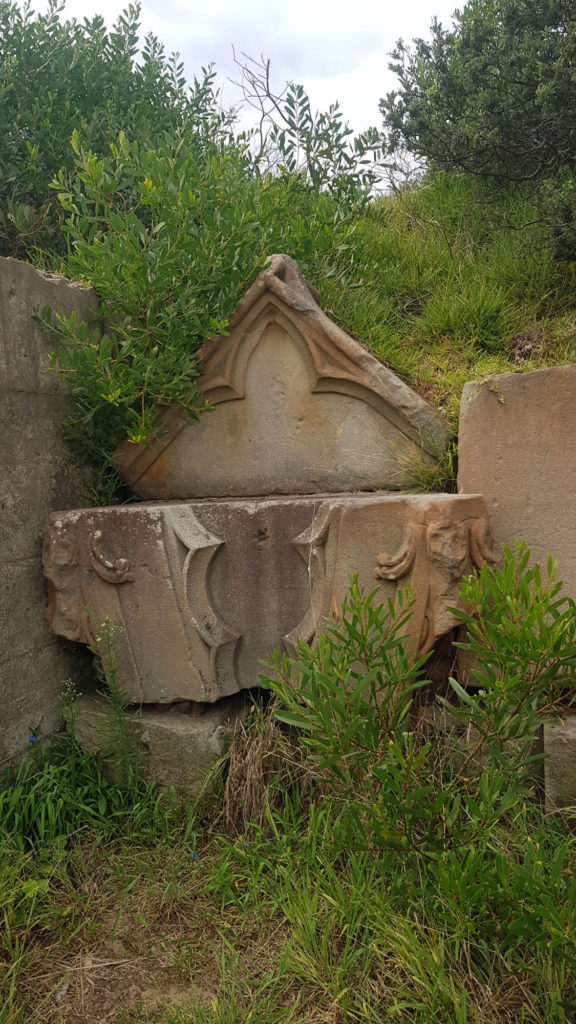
[[173, 749], [560, 763]]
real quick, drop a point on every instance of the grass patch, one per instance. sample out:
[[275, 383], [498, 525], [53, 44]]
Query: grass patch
[[154, 920], [279, 925], [443, 278], [368, 872]]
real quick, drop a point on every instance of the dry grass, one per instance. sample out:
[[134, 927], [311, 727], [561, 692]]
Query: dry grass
[[265, 764]]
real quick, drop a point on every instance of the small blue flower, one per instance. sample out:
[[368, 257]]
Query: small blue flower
[[195, 856], [31, 738]]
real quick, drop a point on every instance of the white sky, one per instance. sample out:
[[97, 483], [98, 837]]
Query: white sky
[[338, 49]]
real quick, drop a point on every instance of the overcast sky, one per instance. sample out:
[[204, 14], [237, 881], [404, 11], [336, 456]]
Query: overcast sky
[[338, 49]]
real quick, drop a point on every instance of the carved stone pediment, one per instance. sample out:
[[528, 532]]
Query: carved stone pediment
[[299, 407]]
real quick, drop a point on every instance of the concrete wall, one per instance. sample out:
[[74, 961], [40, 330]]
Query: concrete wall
[[38, 474]]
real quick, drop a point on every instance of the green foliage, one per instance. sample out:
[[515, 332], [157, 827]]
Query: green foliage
[[439, 475], [493, 96], [57, 77], [340, 905], [60, 78], [170, 213], [57, 791], [437, 281], [441, 279], [122, 749], [478, 935], [319, 147], [352, 695], [522, 634], [171, 237]]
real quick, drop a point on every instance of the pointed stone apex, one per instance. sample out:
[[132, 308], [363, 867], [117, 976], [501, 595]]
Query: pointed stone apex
[[299, 407]]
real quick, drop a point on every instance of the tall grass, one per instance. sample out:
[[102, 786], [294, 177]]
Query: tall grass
[[282, 922], [441, 280]]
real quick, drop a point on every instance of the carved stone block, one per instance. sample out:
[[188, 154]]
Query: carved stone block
[[204, 590], [299, 407], [559, 736]]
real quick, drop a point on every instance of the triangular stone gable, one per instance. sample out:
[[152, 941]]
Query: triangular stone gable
[[299, 407]]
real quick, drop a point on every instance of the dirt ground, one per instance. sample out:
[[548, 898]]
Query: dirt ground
[[121, 978]]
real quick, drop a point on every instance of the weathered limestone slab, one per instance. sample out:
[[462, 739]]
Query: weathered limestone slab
[[204, 590], [560, 763], [172, 750], [38, 473], [298, 407], [517, 447], [24, 347]]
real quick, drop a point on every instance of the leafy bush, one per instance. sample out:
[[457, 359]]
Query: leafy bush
[[353, 698], [57, 77], [521, 632], [170, 237], [493, 96], [459, 865]]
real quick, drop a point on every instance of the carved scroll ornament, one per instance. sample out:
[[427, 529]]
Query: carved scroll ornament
[[439, 554]]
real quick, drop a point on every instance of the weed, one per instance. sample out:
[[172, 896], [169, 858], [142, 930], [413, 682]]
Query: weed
[[431, 475], [122, 751]]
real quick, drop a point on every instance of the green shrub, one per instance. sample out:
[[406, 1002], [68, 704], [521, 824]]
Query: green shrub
[[352, 695], [171, 238], [63, 76]]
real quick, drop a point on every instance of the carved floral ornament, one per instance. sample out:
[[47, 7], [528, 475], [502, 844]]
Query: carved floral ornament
[[431, 560]]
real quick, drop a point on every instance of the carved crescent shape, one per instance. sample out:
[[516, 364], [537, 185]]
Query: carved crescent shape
[[117, 571], [394, 567]]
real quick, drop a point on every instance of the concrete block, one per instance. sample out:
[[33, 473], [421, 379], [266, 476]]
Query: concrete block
[[30, 685], [38, 471], [560, 763], [24, 346], [22, 595], [37, 474]]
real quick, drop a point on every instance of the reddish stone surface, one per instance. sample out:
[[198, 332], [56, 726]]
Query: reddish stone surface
[[517, 447]]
